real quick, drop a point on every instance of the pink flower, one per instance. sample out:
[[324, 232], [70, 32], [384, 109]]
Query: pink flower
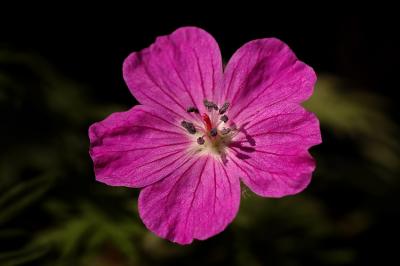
[[202, 129]]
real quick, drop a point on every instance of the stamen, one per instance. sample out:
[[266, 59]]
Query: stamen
[[224, 118], [192, 109], [200, 140], [223, 108], [210, 105], [189, 127], [225, 131], [213, 132]]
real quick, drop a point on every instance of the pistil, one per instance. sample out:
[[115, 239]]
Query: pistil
[[207, 122]]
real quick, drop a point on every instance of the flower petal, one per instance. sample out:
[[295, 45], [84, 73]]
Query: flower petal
[[271, 153], [197, 201], [177, 71], [137, 147], [264, 73]]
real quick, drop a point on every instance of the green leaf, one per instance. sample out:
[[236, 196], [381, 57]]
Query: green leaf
[[15, 200], [22, 256]]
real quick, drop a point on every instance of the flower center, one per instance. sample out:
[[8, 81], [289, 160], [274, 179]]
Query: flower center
[[211, 134]]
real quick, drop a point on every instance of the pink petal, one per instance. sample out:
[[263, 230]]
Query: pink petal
[[270, 153], [264, 73], [177, 71], [197, 201], [137, 148]]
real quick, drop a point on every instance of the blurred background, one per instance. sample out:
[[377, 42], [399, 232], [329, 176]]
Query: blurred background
[[60, 71]]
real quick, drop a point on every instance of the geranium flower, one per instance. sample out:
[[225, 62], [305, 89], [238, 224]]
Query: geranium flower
[[201, 129]]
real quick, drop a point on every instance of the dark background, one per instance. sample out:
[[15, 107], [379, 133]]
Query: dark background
[[60, 71]]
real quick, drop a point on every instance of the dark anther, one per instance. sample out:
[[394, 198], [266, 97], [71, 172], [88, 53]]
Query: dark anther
[[189, 127], [213, 132], [225, 131], [224, 118], [200, 140], [192, 109], [223, 108], [210, 105]]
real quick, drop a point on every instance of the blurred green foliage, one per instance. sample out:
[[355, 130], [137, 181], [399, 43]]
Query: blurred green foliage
[[53, 212]]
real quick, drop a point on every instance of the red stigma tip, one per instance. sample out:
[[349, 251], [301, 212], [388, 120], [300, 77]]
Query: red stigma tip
[[207, 121]]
